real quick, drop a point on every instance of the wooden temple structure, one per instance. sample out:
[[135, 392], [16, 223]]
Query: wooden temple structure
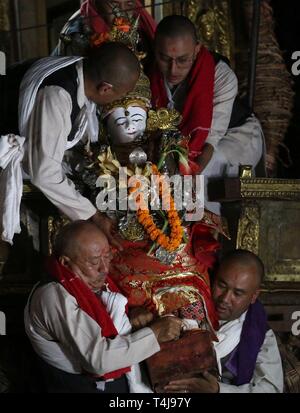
[[263, 212]]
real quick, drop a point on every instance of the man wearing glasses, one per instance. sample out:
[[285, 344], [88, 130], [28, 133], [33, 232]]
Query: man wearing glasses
[[203, 88]]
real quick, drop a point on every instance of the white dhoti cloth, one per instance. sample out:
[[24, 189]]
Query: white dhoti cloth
[[116, 306], [11, 184]]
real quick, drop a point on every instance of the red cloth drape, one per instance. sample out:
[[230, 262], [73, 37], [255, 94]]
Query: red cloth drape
[[87, 301], [140, 276], [198, 107], [96, 22], [204, 245]]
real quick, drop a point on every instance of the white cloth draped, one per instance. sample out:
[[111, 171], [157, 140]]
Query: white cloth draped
[[11, 184], [12, 147], [32, 81], [116, 306], [229, 335]]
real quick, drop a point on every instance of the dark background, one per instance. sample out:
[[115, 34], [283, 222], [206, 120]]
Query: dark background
[[287, 27]]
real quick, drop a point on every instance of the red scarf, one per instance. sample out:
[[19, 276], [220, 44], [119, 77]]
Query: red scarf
[[198, 108], [87, 301], [96, 22]]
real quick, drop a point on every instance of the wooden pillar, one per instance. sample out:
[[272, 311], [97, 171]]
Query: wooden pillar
[[5, 36]]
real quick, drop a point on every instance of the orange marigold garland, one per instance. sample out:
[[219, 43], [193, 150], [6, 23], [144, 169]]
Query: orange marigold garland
[[97, 39], [171, 242], [120, 24]]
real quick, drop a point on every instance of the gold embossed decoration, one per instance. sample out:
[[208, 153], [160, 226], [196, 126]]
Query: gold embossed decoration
[[163, 119], [140, 96], [4, 19], [213, 21], [55, 224], [248, 230]]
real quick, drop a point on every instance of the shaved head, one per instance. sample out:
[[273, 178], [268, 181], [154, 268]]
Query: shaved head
[[247, 259], [176, 27], [114, 63], [237, 284], [72, 238], [83, 248]]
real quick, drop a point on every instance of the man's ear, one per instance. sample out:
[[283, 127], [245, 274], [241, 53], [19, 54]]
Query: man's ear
[[103, 88], [64, 260], [255, 295], [197, 48]]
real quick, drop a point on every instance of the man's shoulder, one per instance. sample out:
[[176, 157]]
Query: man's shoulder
[[223, 68], [49, 292]]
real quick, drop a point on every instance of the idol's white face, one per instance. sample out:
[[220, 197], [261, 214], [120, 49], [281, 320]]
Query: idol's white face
[[126, 125]]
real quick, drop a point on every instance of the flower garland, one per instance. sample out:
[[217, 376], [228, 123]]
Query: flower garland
[[172, 242]]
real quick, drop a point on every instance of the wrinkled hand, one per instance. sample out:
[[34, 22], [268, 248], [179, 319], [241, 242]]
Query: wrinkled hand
[[167, 328], [108, 226], [205, 156], [140, 317], [205, 384]]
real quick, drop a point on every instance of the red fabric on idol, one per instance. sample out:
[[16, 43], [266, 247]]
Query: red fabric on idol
[[146, 23]]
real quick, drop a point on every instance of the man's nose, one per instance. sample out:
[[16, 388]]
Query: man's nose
[[226, 297], [173, 67], [105, 265]]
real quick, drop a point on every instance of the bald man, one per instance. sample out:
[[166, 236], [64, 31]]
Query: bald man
[[203, 88], [77, 320], [247, 351], [57, 112]]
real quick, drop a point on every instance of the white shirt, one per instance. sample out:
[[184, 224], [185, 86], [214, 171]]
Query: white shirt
[[225, 92], [268, 373], [242, 145], [47, 138], [69, 339]]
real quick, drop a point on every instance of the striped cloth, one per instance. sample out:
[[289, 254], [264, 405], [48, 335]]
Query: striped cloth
[[32, 81]]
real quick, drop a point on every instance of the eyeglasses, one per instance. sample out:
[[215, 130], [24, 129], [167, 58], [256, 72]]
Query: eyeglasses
[[181, 62]]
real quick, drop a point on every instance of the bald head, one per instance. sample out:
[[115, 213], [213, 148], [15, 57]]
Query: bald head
[[113, 63], [246, 259], [175, 27], [176, 48], [237, 284], [74, 237], [83, 248]]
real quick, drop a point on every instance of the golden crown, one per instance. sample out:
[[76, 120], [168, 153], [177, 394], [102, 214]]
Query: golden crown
[[140, 96]]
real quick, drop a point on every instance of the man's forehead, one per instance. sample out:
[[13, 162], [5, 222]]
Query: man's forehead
[[163, 41], [98, 247], [236, 275]]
